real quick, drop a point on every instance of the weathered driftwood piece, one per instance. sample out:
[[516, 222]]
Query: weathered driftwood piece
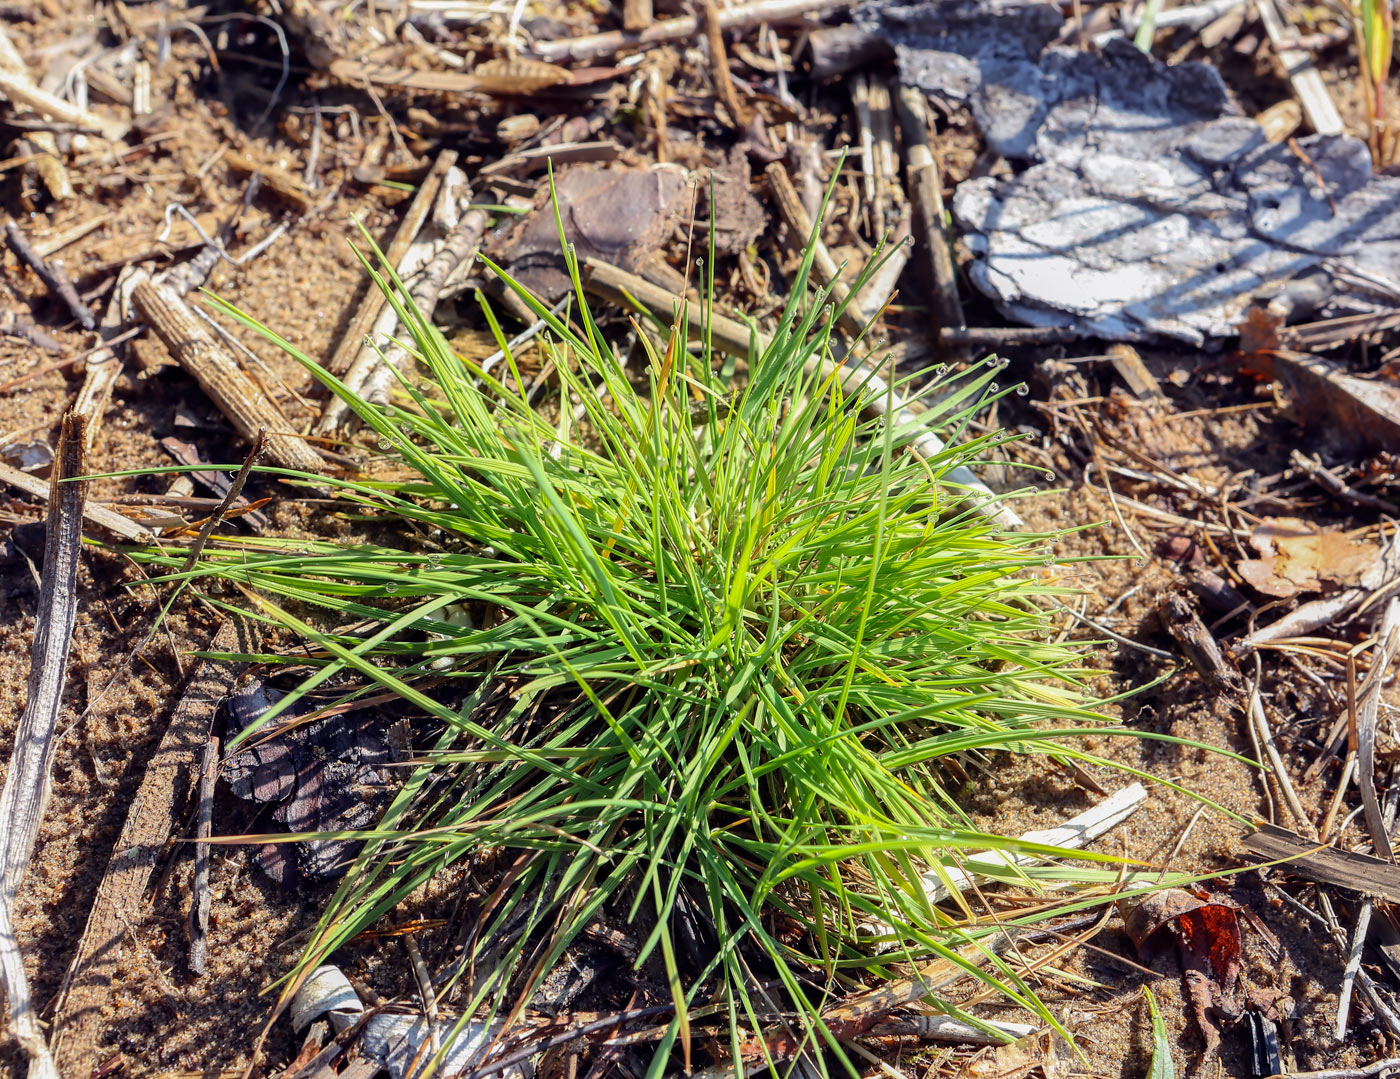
[[373, 301], [794, 214], [733, 337], [150, 821], [1302, 73], [27, 783], [925, 184], [592, 46], [218, 374]]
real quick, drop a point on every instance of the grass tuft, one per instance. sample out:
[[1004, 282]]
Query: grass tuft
[[699, 659]]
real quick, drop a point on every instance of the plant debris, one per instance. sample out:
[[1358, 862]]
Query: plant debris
[[1205, 934], [1298, 557]]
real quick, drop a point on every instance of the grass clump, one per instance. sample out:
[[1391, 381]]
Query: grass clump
[[720, 639]]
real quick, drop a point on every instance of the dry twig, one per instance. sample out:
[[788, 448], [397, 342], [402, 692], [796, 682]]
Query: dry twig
[[373, 301], [592, 46], [236, 395]]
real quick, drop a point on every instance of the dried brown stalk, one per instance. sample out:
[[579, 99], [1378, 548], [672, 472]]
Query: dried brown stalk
[[925, 184], [104, 366], [199, 904], [1370, 697], [794, 214], [27, 783], [19, 89], [593, 46], [719, 67], [237, 396], [52, 275], [78, 1024], [373, 302]]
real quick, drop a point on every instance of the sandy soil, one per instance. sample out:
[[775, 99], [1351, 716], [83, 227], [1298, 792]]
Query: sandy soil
[[163, 1021]]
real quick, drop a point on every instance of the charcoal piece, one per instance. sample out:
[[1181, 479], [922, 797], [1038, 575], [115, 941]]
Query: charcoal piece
[[328, 775]]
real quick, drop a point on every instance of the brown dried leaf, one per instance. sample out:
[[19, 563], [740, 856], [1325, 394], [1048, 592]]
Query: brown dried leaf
[[1295, 558], [518, 76], [1206, 934]]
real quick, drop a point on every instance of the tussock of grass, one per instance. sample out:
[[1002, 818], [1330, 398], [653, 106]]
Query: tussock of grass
[[723, 639]]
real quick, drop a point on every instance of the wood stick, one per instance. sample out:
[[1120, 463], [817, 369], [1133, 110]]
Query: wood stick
[[593, 46], [1302, 74], [887, 186], [373, 300], [719, 67], [109, 520], [104, 366], [637, 14], [732, 336], [925, 185], [53, 277], [19, 89], [78, 1024], [870, 299], [790, 207], [28, 781], [235, 394], [372, 373], [199, 905]]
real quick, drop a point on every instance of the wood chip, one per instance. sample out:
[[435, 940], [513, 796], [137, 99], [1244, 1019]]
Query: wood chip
[[284, 184]]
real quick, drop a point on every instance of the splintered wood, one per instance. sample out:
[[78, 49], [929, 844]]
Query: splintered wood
[[218, 374]]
